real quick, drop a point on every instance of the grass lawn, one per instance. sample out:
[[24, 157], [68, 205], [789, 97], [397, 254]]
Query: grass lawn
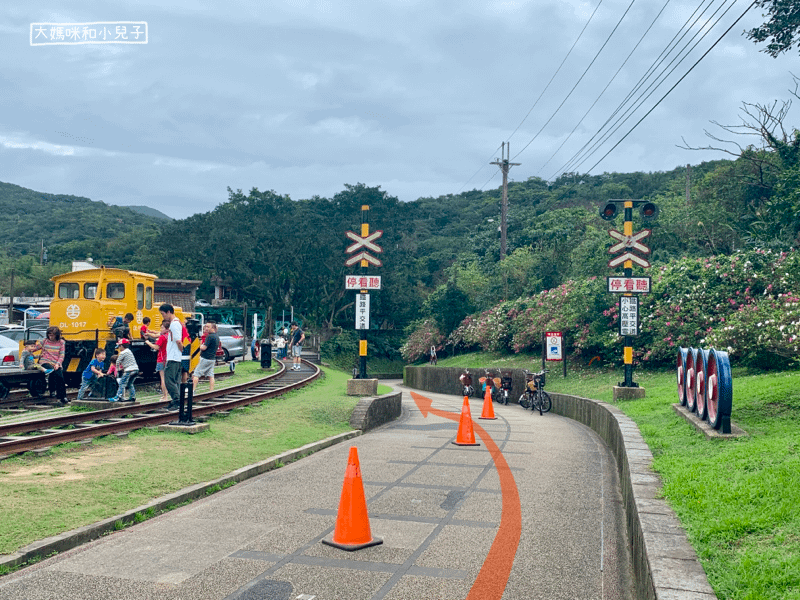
[[74, 486], [739, 500]]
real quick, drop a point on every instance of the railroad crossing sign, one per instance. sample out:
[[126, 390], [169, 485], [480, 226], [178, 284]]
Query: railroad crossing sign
[[615, 262], [629, 242], [364, 242], [362, 256]]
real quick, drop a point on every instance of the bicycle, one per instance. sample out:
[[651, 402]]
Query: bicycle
[[490, 382], [466, 380], [506, 383], [534, 396]]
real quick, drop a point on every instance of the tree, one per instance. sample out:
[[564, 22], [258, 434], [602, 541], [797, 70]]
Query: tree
[[782, 28]]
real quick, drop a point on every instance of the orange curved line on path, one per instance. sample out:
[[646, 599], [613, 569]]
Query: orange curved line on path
[[493, 577]]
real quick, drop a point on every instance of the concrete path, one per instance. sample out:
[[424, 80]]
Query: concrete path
[[534, 512]]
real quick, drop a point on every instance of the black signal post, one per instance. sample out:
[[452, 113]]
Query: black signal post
[[628, 285]]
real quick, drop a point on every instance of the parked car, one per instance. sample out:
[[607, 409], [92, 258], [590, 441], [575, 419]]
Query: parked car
[[231, 339], [9, 352], [18, 333], [202, 303]]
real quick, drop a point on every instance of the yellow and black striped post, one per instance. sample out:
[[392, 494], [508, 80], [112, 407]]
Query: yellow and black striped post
[[362, 343], [627, 353]]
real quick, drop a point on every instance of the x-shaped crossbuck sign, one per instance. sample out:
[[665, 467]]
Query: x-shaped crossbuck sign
[[629, 242], [364, 242]]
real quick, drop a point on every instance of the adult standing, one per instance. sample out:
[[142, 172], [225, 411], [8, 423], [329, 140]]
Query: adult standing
[[296, 339], [172, 368], [53, 349]]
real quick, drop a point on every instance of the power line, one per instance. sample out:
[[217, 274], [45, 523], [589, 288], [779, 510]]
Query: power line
[[579, 80], [537, 99], [676, 84], [629, 112], [479, 170], [677, 38], [641, 39], [557, 70]]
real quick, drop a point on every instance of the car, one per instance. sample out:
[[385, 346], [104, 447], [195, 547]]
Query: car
[[9, 352], [18, 333], [202, 303], [231, 339]]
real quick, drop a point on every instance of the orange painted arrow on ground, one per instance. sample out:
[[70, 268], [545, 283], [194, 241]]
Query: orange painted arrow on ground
[[493, 577]]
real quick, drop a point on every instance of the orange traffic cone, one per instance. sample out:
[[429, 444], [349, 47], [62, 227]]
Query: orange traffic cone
[[488, 409], [352, 523], [465, 436]]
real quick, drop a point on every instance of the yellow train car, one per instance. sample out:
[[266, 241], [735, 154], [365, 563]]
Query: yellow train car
[[85, 305]]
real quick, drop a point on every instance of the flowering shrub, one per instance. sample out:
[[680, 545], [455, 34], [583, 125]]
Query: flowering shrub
[[578, 308], [695, 298], [421, 336], [747, 303]]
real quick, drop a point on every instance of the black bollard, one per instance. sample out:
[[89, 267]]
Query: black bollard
[[266, 354]]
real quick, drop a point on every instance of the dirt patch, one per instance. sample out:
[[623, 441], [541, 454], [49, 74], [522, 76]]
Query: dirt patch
[[67, 468]]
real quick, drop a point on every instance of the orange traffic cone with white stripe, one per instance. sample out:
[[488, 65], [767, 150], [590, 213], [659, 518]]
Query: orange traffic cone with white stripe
[[352, 530], [488, 409], [465, 436]]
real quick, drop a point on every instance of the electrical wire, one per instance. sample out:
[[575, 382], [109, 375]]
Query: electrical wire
[[479, 170], [537, 99], [557, 70], [641, 39], [589, 147], [676, 84], [608, 39]]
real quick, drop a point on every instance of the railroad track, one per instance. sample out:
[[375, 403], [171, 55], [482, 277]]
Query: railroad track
[[46, 432], [22, 398]]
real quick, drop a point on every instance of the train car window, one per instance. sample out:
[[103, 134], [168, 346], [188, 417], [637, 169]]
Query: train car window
[[90, 290], [68, 291], [115, 291], [139, 296], [148, 298]]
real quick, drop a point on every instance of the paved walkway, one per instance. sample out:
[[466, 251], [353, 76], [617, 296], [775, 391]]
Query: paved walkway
[[534, 512]]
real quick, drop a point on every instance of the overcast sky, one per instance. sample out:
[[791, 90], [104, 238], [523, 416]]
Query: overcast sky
[[303, 96]]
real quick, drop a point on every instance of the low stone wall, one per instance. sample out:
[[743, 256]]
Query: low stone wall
[[444, 380], [665, 565], [373, 412]]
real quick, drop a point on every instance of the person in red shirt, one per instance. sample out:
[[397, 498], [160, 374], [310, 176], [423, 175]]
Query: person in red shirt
[[160, 346]]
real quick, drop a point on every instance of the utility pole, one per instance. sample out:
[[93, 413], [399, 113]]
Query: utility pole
[[504, 166]]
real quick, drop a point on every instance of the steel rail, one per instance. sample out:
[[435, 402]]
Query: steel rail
[[18, 397], [86, 424]]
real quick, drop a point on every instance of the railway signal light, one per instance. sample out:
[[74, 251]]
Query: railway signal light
[[648, 211], [609, 211]]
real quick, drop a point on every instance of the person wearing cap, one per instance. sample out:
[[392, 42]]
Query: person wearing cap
[[126, 362]]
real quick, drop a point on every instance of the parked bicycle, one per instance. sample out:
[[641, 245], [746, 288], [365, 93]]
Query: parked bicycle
[[466, 380], [506, 383], [534, 396]]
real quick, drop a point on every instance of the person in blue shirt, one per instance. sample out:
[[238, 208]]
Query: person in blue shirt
[[95, 369]]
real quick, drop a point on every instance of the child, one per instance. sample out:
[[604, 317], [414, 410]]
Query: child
[[112, 367], [126, 363], [161, 358], [28, 359], [93, 371], [143, 330]]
